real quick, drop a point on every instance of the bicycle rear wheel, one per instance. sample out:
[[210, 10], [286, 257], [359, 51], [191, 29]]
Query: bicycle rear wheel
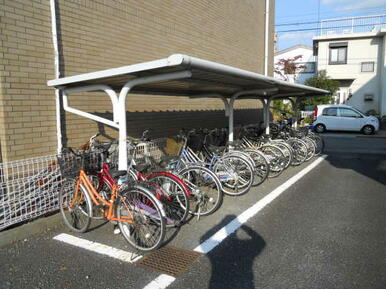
[[205, 189], [300, 151], [319, 143], [173, 197], [144, 225], [261, 166], [75, 205], [311, 147]]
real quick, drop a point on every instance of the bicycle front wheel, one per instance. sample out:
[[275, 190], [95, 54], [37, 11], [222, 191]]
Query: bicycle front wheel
[[235, 173], [141, 218], [75, 205]]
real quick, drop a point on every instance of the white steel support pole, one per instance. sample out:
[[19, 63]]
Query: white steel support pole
[[226, 104], [121, 108], [266, 106], [266, 40], [294, 108], [54, 31], [231, 125], [58, 122]]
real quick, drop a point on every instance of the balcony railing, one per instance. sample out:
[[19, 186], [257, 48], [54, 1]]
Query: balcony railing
[[359, 24]]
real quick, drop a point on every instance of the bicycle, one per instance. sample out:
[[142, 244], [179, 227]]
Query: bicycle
[[168, 188], [139, 214]]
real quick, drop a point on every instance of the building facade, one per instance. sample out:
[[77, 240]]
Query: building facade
[[101, 34], [356, 58], [305, 63]]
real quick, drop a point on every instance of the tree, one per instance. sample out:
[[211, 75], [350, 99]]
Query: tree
[[287, 66], [324, 82]]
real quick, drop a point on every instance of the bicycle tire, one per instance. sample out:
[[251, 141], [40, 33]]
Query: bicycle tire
[[173, 197], [300, 151], [147, 232], [311, 148], [287, 150], [82, 206], [261, 166], [319, 143], [235, 173], [205, 189], [276, 159]]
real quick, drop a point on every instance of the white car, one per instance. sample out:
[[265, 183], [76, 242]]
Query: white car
[[343, 117]]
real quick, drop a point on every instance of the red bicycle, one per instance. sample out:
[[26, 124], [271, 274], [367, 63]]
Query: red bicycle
[[169, 189]]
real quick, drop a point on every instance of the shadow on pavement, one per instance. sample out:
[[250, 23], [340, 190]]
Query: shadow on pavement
[[370, 165], [234, 267]]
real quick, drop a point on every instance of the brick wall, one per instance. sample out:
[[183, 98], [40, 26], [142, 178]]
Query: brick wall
[[102, 34]]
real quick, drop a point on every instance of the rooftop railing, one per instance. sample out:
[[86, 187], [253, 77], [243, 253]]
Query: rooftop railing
[[358, 24]]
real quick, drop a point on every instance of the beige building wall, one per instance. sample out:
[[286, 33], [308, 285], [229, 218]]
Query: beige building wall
[[102, 34], [364, 47]]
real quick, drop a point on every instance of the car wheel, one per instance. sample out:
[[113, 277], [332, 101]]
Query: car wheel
[[368, 129], [319, 128]]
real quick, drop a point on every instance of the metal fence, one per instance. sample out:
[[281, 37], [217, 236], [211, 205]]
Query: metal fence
[[305, 113], [30, 187], [359, 24]]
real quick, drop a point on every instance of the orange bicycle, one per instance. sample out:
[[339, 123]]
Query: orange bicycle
[[139, 214]]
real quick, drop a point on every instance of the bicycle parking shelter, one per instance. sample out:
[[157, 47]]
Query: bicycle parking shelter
[[177, 75]]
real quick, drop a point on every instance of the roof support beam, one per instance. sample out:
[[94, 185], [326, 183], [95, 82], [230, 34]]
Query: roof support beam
[[121, 109], [105, 88]]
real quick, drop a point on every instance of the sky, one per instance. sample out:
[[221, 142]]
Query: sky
[[300, 11]]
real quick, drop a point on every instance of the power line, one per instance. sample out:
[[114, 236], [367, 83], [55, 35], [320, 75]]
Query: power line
[[317, 28]]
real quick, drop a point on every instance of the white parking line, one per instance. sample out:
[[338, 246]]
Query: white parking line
[[98, 248], [163, 281]]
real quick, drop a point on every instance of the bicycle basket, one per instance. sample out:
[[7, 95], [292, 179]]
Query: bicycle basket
[[69, 165], [92, 161]]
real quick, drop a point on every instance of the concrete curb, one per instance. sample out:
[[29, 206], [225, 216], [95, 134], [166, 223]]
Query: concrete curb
[[35, 227]]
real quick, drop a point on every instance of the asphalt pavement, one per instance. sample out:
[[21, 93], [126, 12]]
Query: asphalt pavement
[[327, 230]]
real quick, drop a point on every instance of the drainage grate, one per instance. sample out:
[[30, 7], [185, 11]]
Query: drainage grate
[[169, 260]]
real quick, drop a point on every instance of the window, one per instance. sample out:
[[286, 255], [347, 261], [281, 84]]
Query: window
[[367, 66], [338, 53], [305, 67], [346, 112], [330, 111], [369, 97]]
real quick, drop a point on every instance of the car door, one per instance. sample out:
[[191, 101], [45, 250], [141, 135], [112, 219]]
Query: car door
[[349, 119], [329, 118]]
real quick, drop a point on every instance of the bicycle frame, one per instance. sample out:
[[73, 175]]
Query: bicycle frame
[[97, 199]]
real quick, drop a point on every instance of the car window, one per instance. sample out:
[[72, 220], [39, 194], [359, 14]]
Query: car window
[[346, 112], [330, 111]]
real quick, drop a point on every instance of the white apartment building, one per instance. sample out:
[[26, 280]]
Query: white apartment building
[[352, 51], [306, 65]]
